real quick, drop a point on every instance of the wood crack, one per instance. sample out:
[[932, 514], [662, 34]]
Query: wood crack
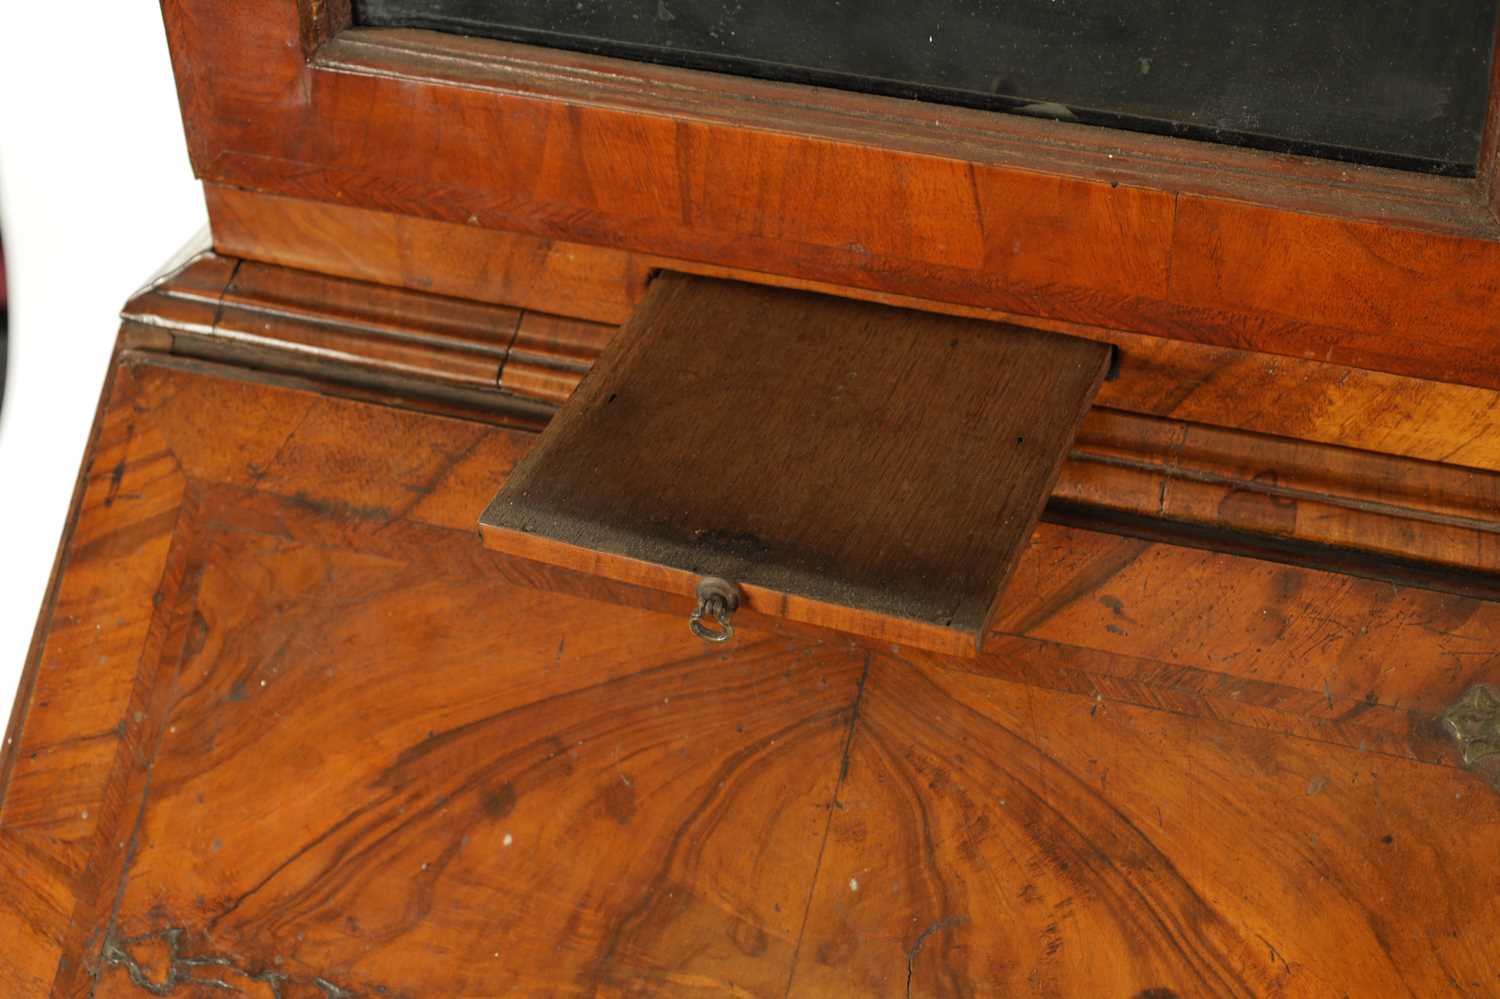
[[833, 805], [916, 948]]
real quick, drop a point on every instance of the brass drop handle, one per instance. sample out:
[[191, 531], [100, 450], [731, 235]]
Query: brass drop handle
[[718, 599]]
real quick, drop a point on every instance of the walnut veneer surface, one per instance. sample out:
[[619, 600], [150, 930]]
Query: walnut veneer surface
[[291, 729]]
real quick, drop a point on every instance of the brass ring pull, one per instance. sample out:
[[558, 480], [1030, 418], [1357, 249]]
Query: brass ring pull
[[717, 599]]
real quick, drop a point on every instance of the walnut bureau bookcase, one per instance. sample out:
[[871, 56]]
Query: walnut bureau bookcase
[[984, 554]]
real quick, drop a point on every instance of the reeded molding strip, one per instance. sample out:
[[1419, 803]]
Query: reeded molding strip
[[1151, 468]]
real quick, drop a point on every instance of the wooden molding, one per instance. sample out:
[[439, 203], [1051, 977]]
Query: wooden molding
[[983, 138], [1370, 268], [1143, 452], [1229, 387]]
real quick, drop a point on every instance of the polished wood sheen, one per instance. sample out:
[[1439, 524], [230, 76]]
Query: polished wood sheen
[[290, 727], [788, 443], [1196, 460], [1317, 400], [289, 730], [1376, 269]]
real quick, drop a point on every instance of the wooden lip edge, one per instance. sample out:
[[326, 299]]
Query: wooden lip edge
[[365, 382], [757, 599]]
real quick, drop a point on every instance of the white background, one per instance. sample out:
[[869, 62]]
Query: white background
[[95, 194]]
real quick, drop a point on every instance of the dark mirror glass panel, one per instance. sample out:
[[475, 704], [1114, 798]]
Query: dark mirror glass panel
[[1401, 84]]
